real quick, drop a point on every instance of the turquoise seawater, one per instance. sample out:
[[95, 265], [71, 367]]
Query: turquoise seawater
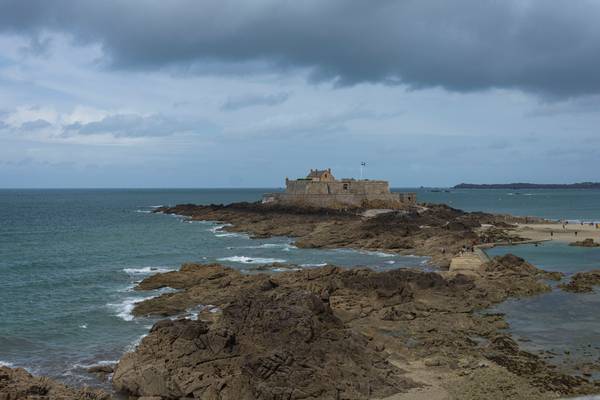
[[70, 258]]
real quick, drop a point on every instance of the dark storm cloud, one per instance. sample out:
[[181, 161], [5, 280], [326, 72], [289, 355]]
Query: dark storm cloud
[[461, 45]]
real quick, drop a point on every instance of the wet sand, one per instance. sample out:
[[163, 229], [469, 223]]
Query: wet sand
[[555, 231]]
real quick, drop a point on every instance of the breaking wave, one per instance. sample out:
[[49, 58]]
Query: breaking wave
[[252, 260], [147, 270], [313, 265]]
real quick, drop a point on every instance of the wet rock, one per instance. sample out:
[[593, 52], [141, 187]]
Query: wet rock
[[585, 243], [102, 371], [505, 351], [582, 282], [18, 384]]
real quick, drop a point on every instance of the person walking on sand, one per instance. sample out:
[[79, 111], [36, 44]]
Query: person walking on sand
[[575, 233], [551, 234]]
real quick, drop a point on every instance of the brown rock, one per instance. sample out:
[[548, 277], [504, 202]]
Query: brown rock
[[585, 243], [18, 384], [582, 282], [279, 343]]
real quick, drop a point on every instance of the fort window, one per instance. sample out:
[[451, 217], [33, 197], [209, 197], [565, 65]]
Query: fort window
[[346, 186]]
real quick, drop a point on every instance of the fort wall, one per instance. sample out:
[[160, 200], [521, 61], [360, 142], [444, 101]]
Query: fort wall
[[314, 191]]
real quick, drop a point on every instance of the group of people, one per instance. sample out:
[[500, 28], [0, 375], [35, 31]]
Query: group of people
[[596, 225]]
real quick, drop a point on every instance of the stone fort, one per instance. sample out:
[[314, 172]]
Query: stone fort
[[321, 189]]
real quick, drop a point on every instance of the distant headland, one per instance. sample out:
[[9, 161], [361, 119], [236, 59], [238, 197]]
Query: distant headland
[[581, 185]]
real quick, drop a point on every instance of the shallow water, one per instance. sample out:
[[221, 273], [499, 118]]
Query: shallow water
[[69, 260], [563, 326]]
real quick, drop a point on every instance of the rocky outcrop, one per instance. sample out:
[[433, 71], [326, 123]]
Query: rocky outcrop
[[18, 384], [331, 323], [434, 230], [585, 243], [515, 277], [582, 282], [271, 343]]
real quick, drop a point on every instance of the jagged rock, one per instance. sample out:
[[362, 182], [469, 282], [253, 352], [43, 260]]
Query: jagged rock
[[432, 229], [269, 344], [265, 340], [18, 384], [102, 372], [585, 243], [582, 282]]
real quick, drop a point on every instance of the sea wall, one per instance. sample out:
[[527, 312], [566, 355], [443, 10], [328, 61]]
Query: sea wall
[[342, 187], [368, 200]]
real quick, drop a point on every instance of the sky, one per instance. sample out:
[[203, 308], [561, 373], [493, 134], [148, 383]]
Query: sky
[[223, 93]]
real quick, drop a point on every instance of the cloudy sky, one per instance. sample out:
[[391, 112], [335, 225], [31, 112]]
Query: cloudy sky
[[220, 93]]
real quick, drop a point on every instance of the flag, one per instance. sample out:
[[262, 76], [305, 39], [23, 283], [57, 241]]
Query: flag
[[363, 163]]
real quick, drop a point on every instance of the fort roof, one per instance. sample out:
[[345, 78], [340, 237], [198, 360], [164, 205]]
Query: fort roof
[[318, 173]]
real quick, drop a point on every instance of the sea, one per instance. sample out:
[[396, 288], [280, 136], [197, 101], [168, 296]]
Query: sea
[[70, 259]]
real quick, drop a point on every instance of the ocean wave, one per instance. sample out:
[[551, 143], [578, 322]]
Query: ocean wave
[[217, 228], [124, 308], [376, 253], [147, 270], [94, 364], [143, 211], [313, 265], [282, 246], [390, 262], [6, 364], [231, 234], [83, 326], [252, 260], [131, 347]]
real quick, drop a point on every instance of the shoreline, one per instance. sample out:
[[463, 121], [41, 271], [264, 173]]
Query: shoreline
[[568, 233], [429, 314]]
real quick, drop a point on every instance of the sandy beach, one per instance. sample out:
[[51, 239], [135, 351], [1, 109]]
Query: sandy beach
[[557, 231]]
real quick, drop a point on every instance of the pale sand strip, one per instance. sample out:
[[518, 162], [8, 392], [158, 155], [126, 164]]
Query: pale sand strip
[[555, 231]]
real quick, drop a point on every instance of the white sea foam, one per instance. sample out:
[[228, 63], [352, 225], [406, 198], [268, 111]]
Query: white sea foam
[[146, 270], [231, 234], [94, 364], [83, 326], [6, 364], [282, 246], [135, 343], [156, 206], [124, 308], [309, 265], [390, 262], [252, 260], [286, 269], [376, 253], [143, 211], [217, 228]]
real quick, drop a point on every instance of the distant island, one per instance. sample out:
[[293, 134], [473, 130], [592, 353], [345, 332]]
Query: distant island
[[581, 185]]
